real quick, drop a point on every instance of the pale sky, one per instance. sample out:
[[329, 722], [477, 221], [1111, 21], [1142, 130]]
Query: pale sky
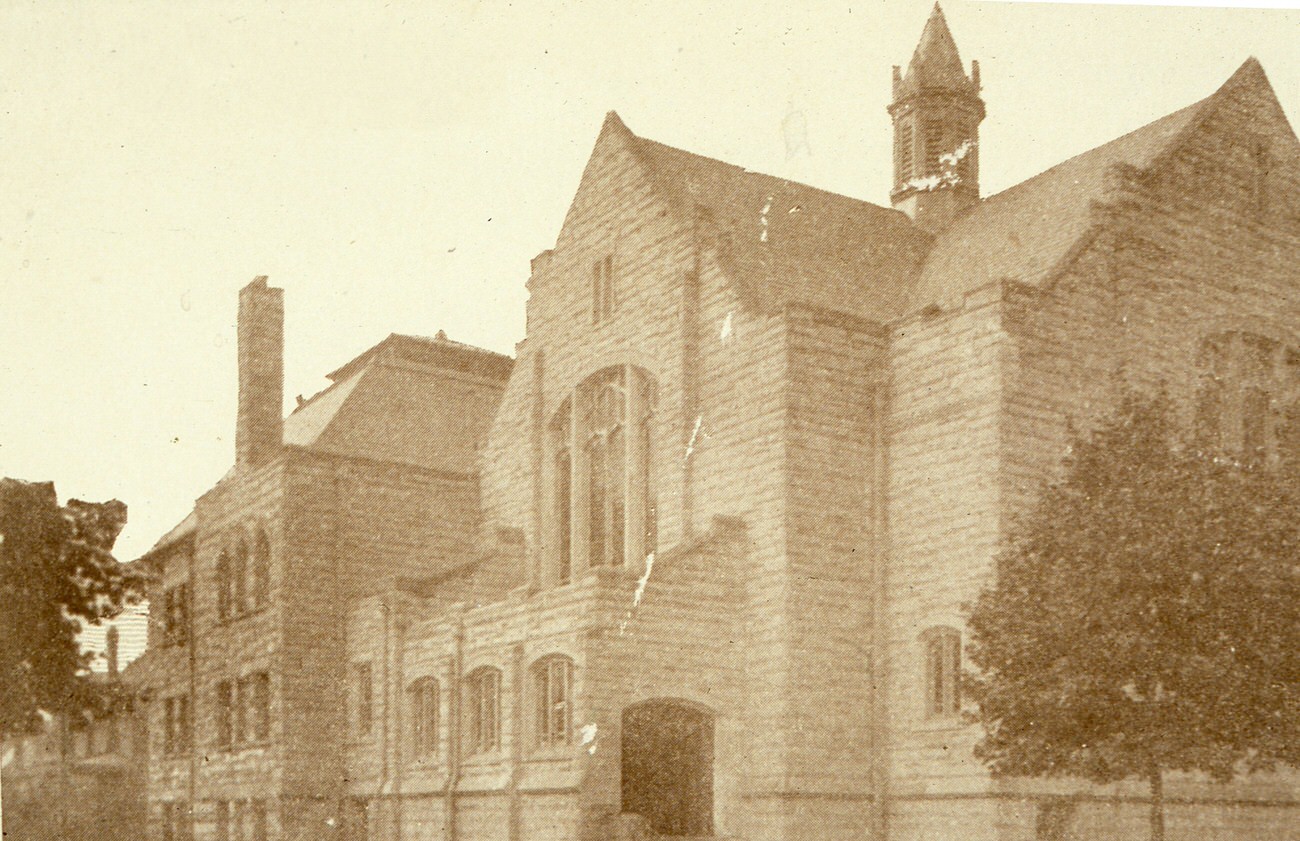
[[395, 166]]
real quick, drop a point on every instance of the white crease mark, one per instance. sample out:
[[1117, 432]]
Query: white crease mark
[[725, 334], [767, 208], [695, 434], [589, 734], [643, 580], [949, 176]]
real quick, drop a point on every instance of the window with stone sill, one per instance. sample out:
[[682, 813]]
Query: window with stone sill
[[254, 709], [1249, 398], [423, 709], [225, 586], [176, 615], [941, 647], [224, 703], [244, 576], [177, 726], [552, 688], [482, 711], [602, 494]]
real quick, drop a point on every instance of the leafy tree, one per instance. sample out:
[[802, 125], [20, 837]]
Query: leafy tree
[[56, 571], [1145, 615]]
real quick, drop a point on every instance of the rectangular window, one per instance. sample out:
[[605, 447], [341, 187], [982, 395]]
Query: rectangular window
[[177, 727], [553, 684], [225, 714], [943, 672], [602, 289], [224, 592], [260, 701], [364, 698], [176, 615], [424, 703], [905, 153], [484, 709], [254, 715]]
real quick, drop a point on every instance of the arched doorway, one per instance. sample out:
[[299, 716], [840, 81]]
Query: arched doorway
[[668, 766]]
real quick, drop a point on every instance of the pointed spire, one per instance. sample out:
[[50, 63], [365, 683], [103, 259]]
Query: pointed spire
[[936, 62]]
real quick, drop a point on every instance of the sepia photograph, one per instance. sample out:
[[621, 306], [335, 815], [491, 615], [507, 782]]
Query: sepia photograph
[[469, 420]]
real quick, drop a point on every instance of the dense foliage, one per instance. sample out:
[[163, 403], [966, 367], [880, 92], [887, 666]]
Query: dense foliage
[[56, 572], [1145, 616]]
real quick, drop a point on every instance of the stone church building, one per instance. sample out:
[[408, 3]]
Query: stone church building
[[693, 562]]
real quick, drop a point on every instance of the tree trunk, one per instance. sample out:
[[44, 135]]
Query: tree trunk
[[1156, 779]]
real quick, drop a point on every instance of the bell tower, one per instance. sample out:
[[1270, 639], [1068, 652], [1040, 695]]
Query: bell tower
[[936, 112]]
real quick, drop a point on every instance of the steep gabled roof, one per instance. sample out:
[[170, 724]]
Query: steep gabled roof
[[1023, 232], [1027, 232], [781, 241]]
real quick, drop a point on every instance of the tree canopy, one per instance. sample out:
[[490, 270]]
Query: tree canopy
[[1145, 615], [56, 572]]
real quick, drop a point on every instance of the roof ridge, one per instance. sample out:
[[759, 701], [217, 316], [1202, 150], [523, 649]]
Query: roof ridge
[[1187, 111], [744, 170]]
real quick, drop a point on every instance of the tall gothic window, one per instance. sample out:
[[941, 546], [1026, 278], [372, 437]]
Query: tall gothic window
[[1249, 400], [603, 500], [607, 462]]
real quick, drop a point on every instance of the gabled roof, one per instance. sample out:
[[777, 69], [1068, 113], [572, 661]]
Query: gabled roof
[[781, 241], [1026, 232]]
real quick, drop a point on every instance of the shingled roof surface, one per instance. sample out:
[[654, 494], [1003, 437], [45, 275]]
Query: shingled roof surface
[[782, 241], [1024, 232]]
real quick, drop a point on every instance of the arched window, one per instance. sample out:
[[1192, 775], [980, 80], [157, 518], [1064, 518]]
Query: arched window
[[237, 573], [422, 703], [552, 678], [261, 570], [942, 648], [483, 710], [224, 589], [1249, 397], [603, 493]]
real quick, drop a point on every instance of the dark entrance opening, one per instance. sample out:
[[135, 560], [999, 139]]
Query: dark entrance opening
[[668, 766]]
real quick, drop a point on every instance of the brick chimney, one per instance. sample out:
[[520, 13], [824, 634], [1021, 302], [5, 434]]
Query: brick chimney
[[110, 644], [259, 429]]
